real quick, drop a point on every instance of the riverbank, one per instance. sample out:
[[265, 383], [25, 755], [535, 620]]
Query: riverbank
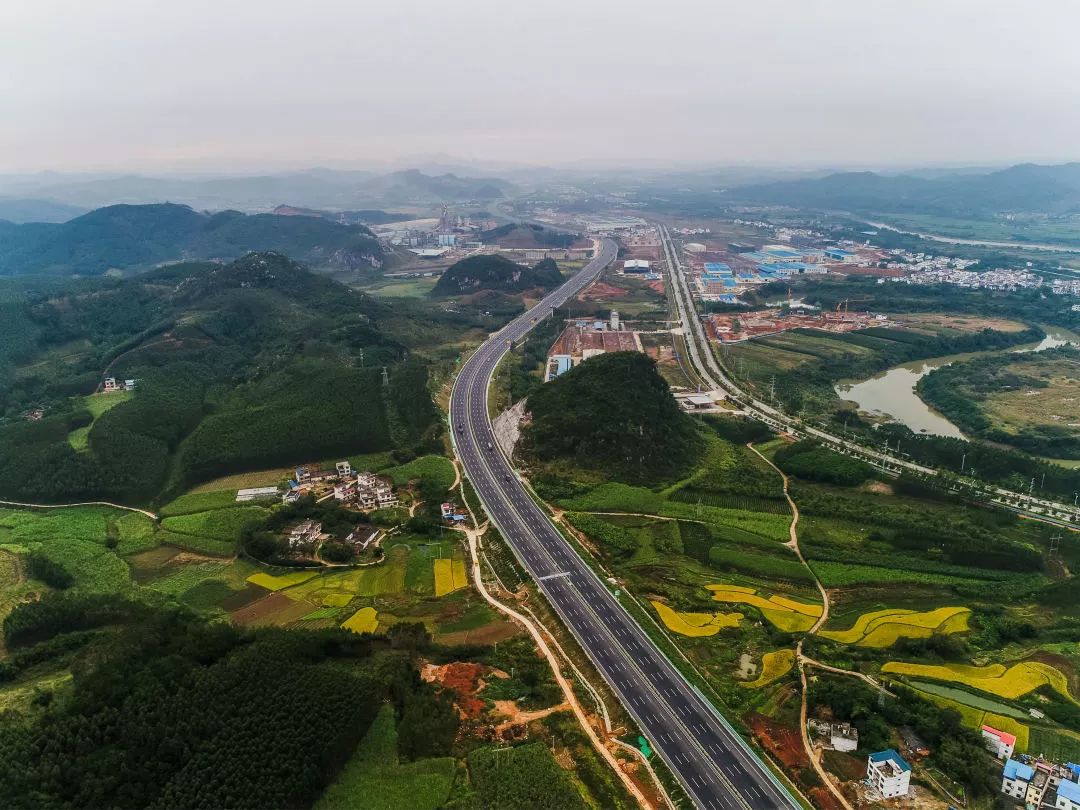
[[892, 393]]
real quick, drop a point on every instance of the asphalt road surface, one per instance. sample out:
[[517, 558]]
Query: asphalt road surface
[[713, 764]]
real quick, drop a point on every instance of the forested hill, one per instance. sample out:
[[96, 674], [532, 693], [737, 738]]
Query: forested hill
[[129, 237], [256, 364], [613, 413], [1025, 187], [493, 272]]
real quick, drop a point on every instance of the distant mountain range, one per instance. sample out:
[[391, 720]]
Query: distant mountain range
[[1027, 187], [315, 188], [142, 236], [15, 209]]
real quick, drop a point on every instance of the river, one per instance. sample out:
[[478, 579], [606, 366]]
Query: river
[[892, 393]]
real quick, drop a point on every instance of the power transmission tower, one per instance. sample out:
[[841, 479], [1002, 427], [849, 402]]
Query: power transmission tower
[[361, 358], [385, 376], [1055, 546], [772, 389]]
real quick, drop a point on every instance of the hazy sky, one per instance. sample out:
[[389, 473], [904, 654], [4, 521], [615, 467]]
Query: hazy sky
[[259, 84]]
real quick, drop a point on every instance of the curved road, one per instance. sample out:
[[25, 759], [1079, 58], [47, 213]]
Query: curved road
[[711, 761]]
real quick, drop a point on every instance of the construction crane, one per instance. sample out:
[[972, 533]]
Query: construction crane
[[843, 304]]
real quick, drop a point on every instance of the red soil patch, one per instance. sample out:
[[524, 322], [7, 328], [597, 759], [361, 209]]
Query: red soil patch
[[822, 798], [601, 291], [782, 742], [656, 286], [464, 680]]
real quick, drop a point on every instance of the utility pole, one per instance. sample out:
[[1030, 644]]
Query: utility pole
[[963, 459]]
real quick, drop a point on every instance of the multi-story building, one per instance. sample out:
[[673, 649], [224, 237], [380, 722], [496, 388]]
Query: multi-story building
[[889, 773], [1068, 796], [1000, 743], [1016, 778]]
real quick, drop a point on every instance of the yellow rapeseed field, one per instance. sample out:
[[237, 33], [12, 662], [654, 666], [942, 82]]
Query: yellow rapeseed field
[[276, 583], [773, 665], [695, 625], [365, 620], [449, 576], [789, 615], [883, 628], [1011, 683]]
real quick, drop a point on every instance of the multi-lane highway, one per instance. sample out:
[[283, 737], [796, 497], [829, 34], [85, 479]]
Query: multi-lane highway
[[701, 356], [714, 765]]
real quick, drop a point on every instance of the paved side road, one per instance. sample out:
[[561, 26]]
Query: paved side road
[[711, 761]]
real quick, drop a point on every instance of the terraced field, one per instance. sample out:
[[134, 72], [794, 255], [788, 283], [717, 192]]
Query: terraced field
[[883, 628], [1008, 683], [774, 665], [788, 615], [695, 625]]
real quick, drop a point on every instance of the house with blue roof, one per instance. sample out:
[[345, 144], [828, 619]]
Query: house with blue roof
[[1015, 779], [1068, 796], [889, 773]]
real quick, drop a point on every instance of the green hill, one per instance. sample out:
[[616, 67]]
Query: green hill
[[493, 272], [613, 414], [256, 364], [142, 236]]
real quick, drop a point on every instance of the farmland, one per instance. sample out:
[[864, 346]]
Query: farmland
[[695, 625], [914, 580], [882, 628], [995, 679], [774, 665]]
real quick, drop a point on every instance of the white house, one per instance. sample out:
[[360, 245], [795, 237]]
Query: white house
[[1068, 796], [1015, 779], [889, 773], [1000, 744]]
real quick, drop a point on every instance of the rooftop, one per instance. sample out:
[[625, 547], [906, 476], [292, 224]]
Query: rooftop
[[1008, 739], [1018, 770], [890, 755], [1069, 790]]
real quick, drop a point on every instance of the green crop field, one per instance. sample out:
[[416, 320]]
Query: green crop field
[[217, 524], [97, 404], [434, 469], [199, 502]]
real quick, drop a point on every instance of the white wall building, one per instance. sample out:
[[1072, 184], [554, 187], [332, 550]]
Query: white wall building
[[889, 773], [1000, 744], [1015, 779]]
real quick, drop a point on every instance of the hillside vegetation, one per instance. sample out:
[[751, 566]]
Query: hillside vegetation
[[141, 236], [615, 414], [492, 272], [243, 366]]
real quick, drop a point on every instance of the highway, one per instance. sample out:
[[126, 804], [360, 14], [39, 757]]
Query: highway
[[709, 370], [712, 762]]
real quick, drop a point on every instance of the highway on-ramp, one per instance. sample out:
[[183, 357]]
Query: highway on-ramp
[[712, 762]]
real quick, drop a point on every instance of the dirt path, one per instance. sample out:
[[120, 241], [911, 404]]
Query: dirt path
[[150, 515], [837, 670], [793, 543], [556, 669], [803, 661]]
